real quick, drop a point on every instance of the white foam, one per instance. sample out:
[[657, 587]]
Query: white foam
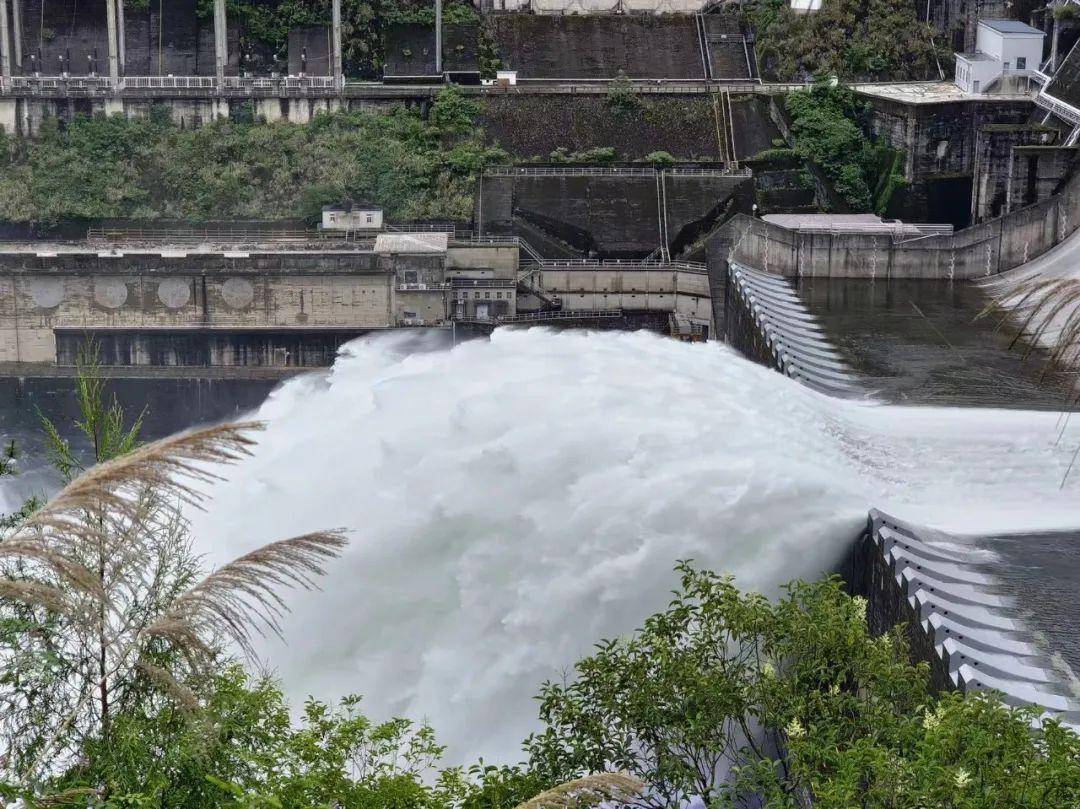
[[512, 501]]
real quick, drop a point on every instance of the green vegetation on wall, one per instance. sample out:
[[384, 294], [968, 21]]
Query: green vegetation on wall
[[150, 168], [828, 130], [876, 40]]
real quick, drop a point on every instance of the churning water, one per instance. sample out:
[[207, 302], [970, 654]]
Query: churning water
[[512, 501]]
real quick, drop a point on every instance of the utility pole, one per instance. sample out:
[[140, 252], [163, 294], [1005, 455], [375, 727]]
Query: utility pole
[[16, 22], [438, 37], [339, 76], [114, 44], [221, 41]]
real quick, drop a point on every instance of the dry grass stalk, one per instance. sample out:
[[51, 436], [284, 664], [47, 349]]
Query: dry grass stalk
[[242, 594], [77, 575], [94, 552], [590, 791], [1043, 312], [36, 594], [168, 467]]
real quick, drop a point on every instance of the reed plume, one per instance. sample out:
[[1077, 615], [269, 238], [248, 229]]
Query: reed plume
[[589, 791], [170, 468], [108, 556], [1042, 312], [241, 596]]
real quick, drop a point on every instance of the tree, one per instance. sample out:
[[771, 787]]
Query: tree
[[740, 701], [856, 40], [100, 600]]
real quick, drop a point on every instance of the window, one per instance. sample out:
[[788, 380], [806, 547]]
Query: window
[[1021, 63], [370, 218], [487, 294]]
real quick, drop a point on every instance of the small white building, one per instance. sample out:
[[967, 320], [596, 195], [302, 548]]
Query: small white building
[[1002, 48], [352, 216]]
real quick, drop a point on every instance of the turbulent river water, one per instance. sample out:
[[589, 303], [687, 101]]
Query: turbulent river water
[[513, 501]]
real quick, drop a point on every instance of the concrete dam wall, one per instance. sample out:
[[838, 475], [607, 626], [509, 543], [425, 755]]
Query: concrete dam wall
[[166, 38], [49, 303], [605, 212], [686, 126], [641, 47]]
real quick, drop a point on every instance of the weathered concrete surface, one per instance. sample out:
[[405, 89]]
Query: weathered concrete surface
[[33, 306], [976, 252], [630, 288], [165, 39], [409, 49], [607, 215], [1037, 172], [994, 147], [600, 46]]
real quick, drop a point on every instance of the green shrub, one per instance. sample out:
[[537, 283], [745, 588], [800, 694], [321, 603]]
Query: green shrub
[[827, 127], [660, 159], [852, 39], [621, 98], [148, 167]]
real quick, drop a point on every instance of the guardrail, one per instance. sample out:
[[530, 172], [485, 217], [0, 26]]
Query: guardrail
[[188, 235], [567, 314], [82, 85], [620, 264], [609, 171], [326, 85], [1066, 112]]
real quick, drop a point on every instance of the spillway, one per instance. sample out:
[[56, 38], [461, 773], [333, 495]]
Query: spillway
[[514, 500]]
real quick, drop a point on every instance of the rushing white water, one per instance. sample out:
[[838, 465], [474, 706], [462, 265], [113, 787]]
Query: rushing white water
[[512, 501]]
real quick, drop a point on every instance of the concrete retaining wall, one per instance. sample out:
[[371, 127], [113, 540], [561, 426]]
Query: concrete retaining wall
[[608, 215], [168, 38], [976, 252], [600, 46]]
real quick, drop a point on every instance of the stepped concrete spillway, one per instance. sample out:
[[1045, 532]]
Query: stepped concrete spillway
[[948, 593], [765, 319]]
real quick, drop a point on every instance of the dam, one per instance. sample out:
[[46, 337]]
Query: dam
[[652, 329]]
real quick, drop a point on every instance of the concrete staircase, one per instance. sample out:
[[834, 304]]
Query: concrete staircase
[[727, 55]]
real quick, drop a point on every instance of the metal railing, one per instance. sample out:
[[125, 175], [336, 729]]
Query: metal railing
[[106, 84], [217, 234], [482, 283], [1067, 112], [82, 85], [619, 264], [540, 317], [610, 171]]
